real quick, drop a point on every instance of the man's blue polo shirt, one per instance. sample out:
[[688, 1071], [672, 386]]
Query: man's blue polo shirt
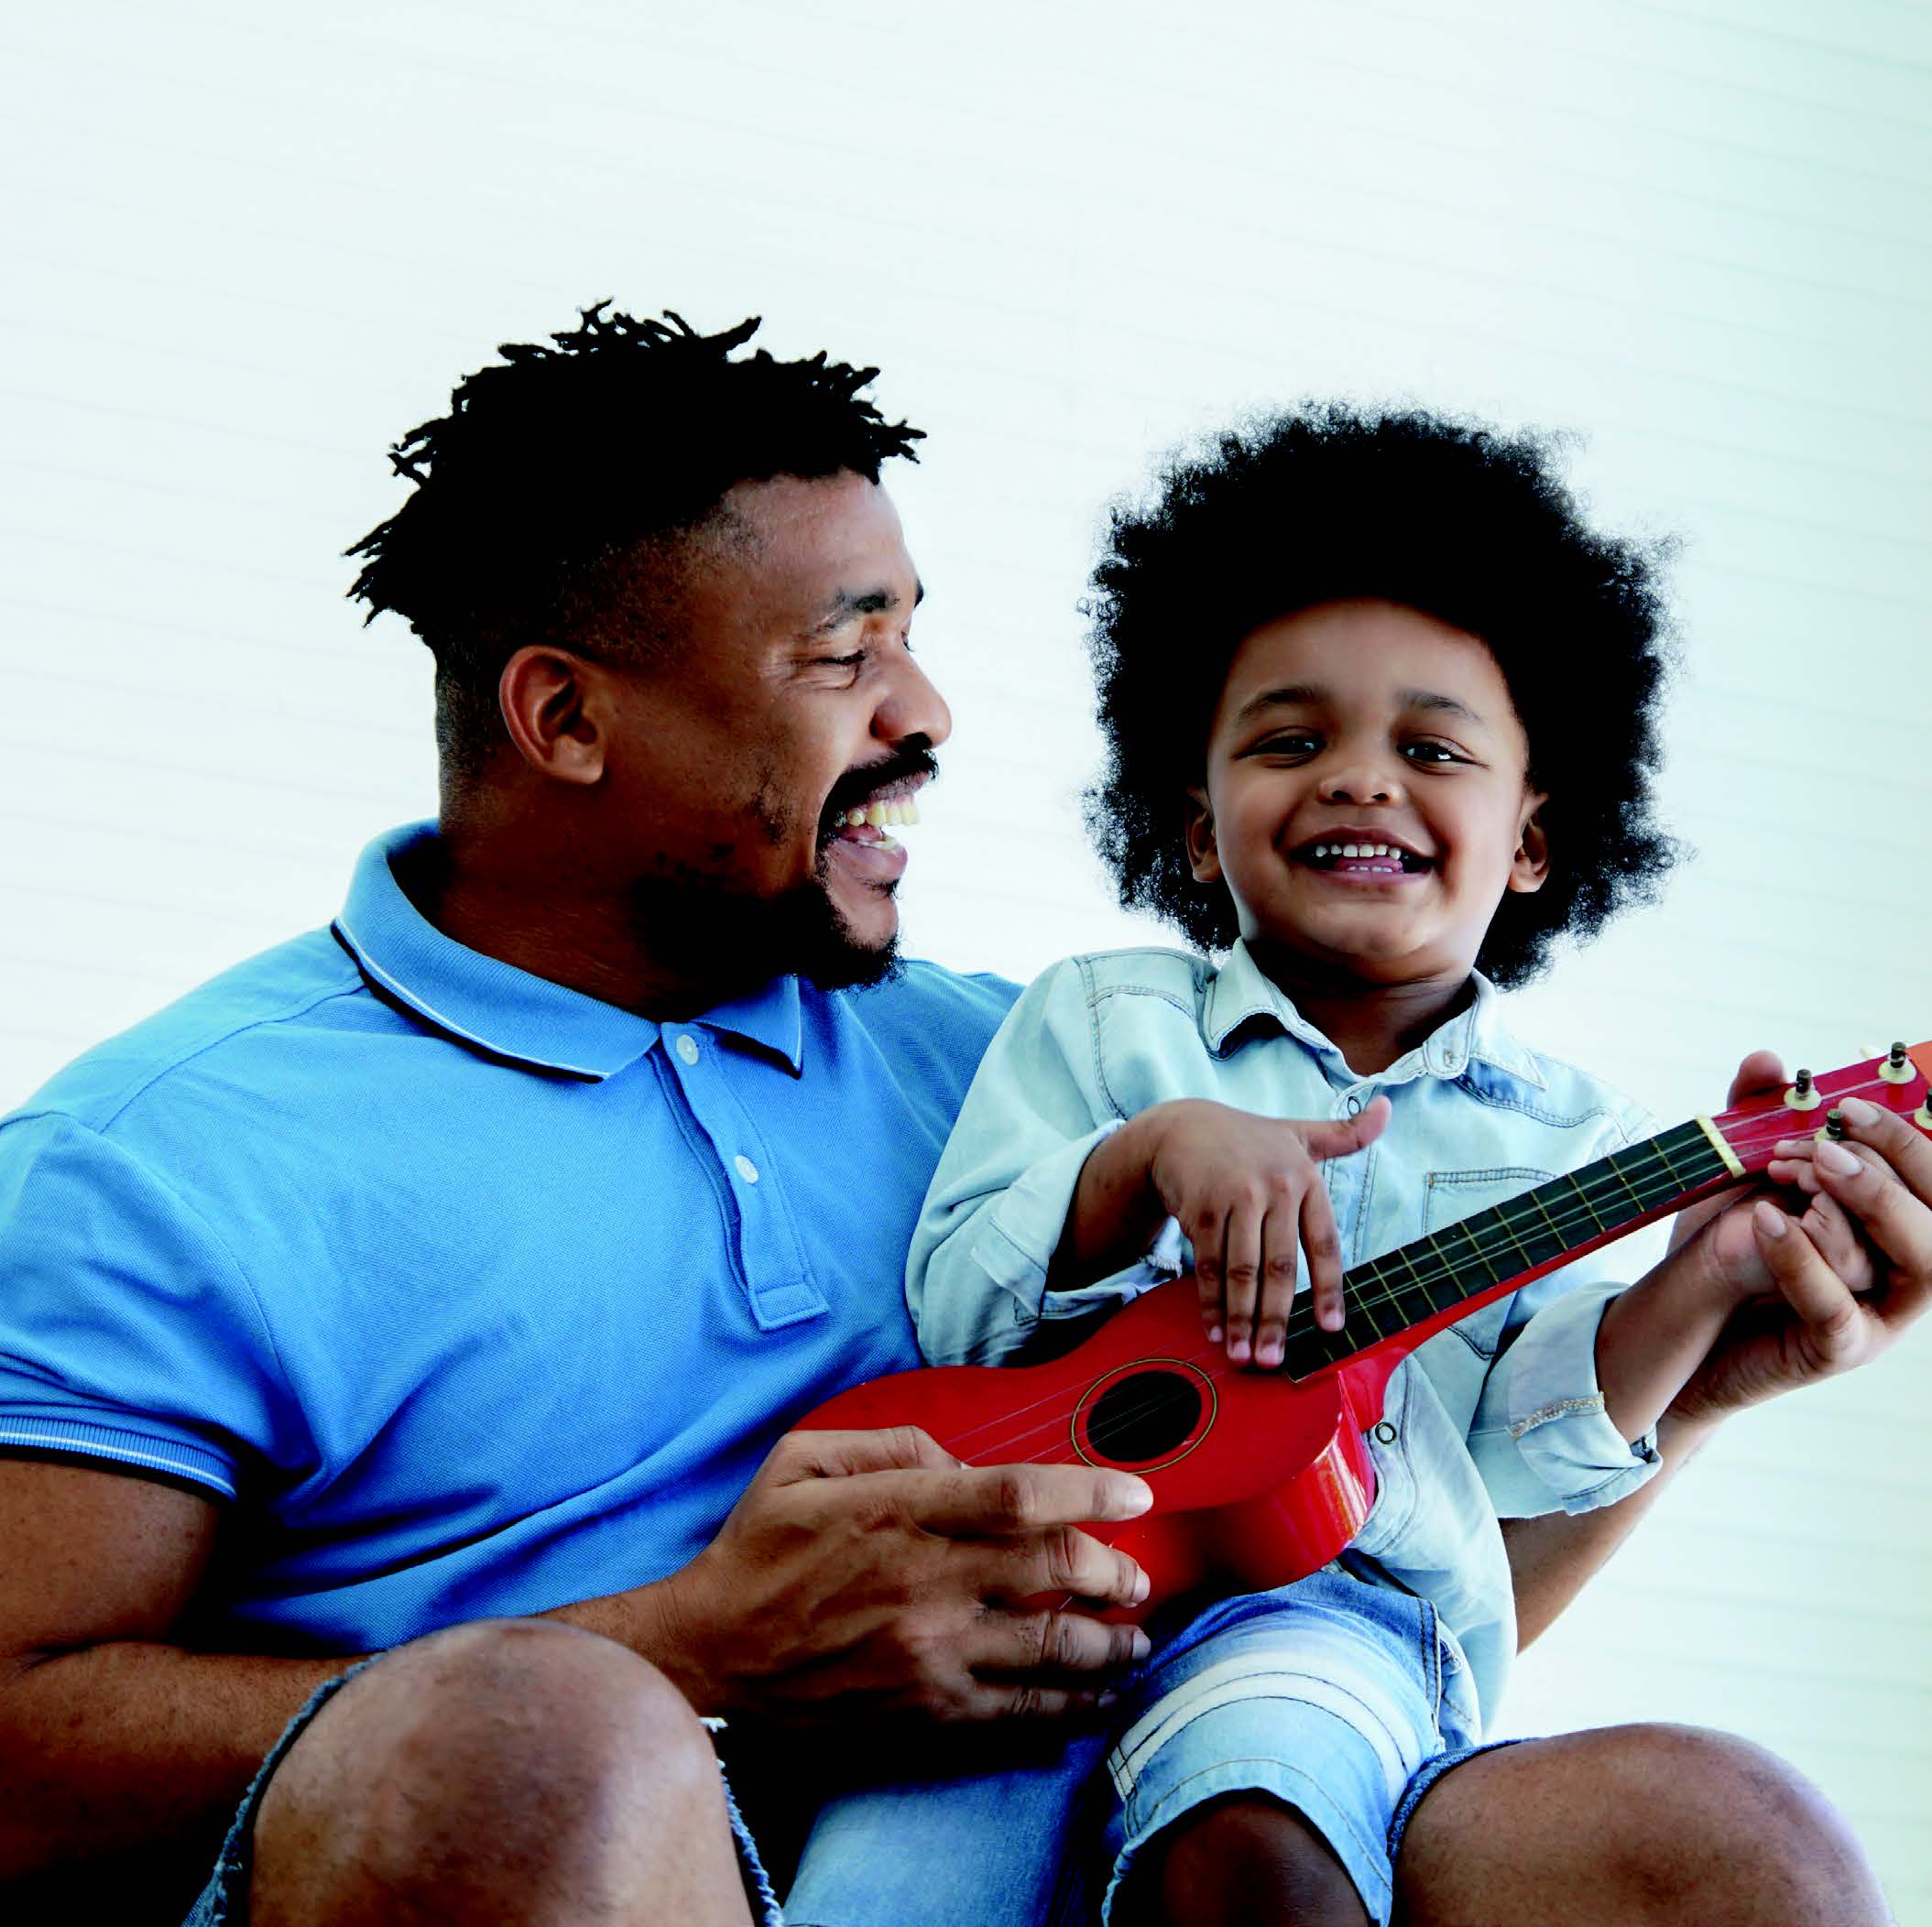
[[480, 1296]]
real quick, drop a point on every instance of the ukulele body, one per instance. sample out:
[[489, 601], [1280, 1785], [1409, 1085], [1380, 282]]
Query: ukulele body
[[1258, 1479]]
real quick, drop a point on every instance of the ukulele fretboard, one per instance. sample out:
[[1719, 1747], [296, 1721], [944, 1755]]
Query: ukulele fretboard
[[1445, 1268]]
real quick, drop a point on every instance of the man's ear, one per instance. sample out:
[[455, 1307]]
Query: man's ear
[[1202, 857], [1531, 865], [552, 704]]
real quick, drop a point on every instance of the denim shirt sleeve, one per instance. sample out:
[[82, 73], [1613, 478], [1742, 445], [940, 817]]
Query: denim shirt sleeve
[[976, 1276], [1541, 1437]]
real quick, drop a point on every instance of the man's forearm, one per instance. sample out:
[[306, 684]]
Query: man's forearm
[[1554, 1556], [128, 1743]]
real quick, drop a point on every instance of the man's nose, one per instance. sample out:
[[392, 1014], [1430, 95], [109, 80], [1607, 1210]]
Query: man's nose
[[911, 707]]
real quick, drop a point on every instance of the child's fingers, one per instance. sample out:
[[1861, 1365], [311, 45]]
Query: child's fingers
[[1242, 1272], [1280, 1250], [1204, 1231], [1322, 1245]]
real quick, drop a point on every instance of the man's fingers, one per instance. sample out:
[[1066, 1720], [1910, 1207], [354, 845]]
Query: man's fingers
[[1885, 1189], [1063, 1561], [1830, 1228], [1052, 1647], [1762, 1071], [998, 1501], [846, 1454], [1833, 1323], [1907, 1149]]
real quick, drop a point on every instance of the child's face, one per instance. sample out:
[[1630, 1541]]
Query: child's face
[[1357, 722]]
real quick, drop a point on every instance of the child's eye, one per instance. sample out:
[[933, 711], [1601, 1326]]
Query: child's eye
[[1431, 753], [1286, 742]]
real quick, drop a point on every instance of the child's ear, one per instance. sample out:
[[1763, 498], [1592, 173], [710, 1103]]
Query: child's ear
[[1531, 865], [1203, 858]]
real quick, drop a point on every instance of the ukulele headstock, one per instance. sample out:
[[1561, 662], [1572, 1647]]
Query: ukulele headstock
[[1898, 1081]]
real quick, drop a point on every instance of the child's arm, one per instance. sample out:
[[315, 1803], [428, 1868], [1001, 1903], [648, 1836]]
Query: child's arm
[[1247, 1193], [1069, 1155], [1656, 1334]]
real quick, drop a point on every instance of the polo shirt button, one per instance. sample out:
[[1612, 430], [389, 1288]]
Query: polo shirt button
[[746, 1168], [1355, 1104], [688, 1047], [1386, 1433]]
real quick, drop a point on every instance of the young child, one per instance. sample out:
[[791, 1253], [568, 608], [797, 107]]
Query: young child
[[1380, 711]]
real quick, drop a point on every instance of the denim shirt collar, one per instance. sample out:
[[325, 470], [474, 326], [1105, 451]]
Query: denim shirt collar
[[508, 1013], [1240, 993]]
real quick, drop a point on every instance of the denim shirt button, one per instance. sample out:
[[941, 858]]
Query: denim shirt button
[[1386, 1433]]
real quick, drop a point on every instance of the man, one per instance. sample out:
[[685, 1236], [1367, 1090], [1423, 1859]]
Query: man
[[442, 1284]]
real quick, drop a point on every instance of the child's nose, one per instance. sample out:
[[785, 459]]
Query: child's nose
[[1361, 781]]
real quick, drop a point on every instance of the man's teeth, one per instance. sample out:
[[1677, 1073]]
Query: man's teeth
[[881, 815]]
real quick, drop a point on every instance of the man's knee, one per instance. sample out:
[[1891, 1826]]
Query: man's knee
[[1733, 1806], [1656, 1815], [517, 1743]]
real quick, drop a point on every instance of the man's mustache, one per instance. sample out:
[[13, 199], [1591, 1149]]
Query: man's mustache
[[855, 789]]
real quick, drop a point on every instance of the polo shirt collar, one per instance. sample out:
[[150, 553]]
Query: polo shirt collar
[[772, 1017], [493, 1006], [1241, 992]]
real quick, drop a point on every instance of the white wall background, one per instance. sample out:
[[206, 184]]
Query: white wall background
[[247, 246]]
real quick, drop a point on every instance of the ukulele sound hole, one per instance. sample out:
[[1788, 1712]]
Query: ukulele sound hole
[[1143, 1415]]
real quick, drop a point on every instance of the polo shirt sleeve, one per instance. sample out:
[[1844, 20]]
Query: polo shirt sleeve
[[128, 1334], [1541, 1438], [976, 1276]]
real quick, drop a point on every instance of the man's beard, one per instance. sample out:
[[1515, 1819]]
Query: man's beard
[[709, 933]]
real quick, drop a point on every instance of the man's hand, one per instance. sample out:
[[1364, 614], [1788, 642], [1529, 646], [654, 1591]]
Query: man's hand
[[872, 1571], [1833, 1286]]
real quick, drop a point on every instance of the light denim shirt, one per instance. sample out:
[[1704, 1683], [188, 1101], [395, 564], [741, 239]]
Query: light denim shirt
[[1499, 1415]]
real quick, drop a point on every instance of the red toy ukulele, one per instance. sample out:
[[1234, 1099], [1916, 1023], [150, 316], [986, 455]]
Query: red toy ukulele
[[1260, 1477]]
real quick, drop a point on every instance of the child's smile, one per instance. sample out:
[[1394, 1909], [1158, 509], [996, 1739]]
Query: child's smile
[[1366, 802]]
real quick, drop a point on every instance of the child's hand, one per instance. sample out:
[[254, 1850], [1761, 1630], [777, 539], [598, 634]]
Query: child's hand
[[1247, 1192]]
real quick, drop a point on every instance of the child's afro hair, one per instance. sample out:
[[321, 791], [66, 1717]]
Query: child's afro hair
[[1467, 524]]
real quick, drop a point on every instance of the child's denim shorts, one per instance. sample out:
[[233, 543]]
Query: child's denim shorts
[[224, 1901], [1343, 1700]]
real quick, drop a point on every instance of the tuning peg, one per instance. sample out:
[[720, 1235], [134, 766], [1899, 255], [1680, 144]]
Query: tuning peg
[[1833, 1129], [1897, 1067], [1803, 1095]]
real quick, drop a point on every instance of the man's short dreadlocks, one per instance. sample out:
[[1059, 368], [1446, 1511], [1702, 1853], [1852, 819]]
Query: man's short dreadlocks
[[1466, 524], [564, 470]]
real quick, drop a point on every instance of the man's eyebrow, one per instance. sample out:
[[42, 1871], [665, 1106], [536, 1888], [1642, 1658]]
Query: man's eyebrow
[[850, 602]]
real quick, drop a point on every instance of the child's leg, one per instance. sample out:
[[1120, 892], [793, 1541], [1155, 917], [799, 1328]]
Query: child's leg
[[1264, 1753], [1242, 1860], [951, 1846]]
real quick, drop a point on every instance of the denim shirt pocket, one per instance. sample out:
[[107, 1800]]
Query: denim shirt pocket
[[1453, 1196]]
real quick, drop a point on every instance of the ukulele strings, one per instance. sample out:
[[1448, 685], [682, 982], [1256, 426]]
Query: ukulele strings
[[1760, 1133]]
